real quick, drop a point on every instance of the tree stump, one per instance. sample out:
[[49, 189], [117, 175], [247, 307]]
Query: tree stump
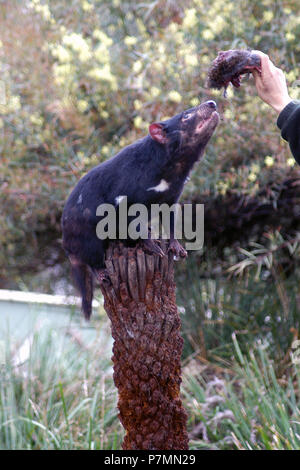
[[139, 298]]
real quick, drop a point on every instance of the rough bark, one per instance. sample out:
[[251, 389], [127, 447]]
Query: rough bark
[[145, 324]]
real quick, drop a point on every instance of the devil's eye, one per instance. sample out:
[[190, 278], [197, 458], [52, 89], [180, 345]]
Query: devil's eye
[[186, 116]]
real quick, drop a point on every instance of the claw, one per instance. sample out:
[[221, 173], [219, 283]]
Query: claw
[[177, 249], [152, 247]]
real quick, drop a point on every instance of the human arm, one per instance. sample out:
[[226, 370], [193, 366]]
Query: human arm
[[272, 89]]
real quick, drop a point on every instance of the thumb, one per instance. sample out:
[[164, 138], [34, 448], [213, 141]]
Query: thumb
[[256, 74]]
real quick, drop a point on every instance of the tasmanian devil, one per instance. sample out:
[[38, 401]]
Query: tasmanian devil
[[152, 170]]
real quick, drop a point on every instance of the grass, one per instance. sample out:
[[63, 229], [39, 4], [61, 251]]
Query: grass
[[254, 309], [62, 397], [246, 407]]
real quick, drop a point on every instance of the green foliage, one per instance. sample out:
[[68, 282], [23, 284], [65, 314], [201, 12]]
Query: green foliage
[[80, 80], [257, 309], [247, 408], [84, 78], [62, 397]]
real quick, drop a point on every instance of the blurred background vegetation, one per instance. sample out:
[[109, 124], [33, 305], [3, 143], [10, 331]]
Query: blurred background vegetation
[[80, 79]]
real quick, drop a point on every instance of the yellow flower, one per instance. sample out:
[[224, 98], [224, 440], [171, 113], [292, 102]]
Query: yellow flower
[[217, 24], [1, 44], [269, 161], [36, 120], [85, 55], [130, 40], [101, 53], [252, 177], [205, 59], [229, 92], [61, 53], [78, 44], [102, 37], [268, 16], [290, 162], [191, 60], [173, 27], [102, 74], [63, 73], [154, 91], [138, 122], [104, 114], [137, 104], [207, 34], [82, 105], [137, 66], [94, 158], [14, 104], [42, 9], [174, 96], [159, 64], [105, 150], [190, 19], [194, 101], [290, 36], [222, 187], [161, 49], [86, 6]]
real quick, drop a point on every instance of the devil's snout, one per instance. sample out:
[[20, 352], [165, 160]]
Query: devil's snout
[[212, 104]]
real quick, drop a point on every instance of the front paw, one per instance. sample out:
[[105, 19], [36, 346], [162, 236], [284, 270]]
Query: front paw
[[152, 247], [177, 249]]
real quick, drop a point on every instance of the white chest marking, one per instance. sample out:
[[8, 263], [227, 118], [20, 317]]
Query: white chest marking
[[159, 188], [118, 199]]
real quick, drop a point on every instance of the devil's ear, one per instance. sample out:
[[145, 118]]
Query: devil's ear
[[157, 132]]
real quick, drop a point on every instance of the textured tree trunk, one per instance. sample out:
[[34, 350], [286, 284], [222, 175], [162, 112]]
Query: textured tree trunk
[[145, 323]]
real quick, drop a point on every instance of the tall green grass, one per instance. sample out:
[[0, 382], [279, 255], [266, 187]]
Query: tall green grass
[[62, 397], [245, 407], [265, 310]]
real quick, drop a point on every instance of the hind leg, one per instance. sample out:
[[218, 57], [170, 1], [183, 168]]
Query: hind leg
[[102, 276]]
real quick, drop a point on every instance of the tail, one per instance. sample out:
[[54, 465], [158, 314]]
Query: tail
[[84, 280]]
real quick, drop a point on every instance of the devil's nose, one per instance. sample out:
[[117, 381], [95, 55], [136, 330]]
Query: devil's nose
[[212, 104]]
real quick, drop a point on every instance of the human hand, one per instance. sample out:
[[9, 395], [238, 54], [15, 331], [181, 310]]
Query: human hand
[[271, 84]]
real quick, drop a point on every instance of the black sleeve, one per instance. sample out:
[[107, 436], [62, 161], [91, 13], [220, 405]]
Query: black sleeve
[[289, 123]]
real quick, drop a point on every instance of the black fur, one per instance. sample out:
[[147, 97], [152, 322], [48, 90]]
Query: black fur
[[167, 153]]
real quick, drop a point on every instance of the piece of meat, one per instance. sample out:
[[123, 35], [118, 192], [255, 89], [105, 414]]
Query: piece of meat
[[229, 66]]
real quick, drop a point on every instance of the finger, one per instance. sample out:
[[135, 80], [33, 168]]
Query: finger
[[255, 74], [267, 66], [260, 53]]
